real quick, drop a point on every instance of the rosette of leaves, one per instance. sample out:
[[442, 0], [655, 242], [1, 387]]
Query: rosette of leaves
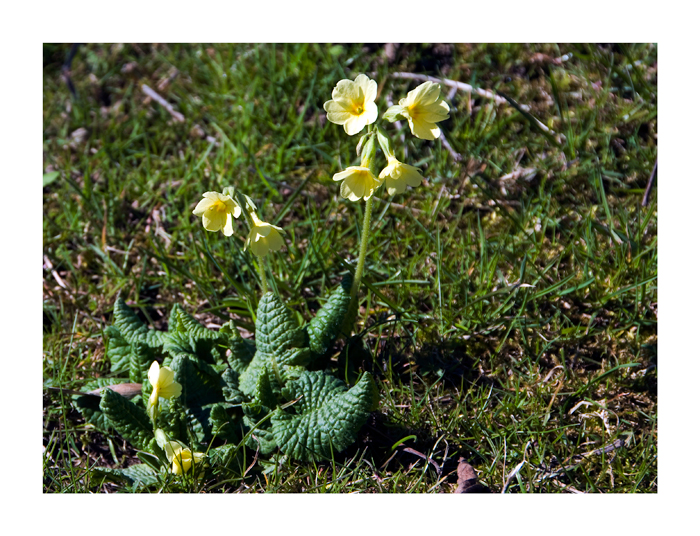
[[233, 389]]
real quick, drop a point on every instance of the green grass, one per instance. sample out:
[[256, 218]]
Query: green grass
[[468, 362]]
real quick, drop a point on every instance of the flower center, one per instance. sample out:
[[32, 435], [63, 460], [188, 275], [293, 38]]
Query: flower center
[[219, 206], [359, 110]]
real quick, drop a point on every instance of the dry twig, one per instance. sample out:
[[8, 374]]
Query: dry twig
[[165, 104], [453, 84]]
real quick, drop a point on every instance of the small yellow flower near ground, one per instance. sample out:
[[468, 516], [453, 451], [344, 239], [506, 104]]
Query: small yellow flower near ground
[[353, 104], [358, 183], [263, 237], [182, 459], [216, 210], [422, 107], [398, 175], [164, 384]]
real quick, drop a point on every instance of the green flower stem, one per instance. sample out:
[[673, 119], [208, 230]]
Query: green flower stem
[[363, 248], [263, 277], [153, 414], [244, 209]]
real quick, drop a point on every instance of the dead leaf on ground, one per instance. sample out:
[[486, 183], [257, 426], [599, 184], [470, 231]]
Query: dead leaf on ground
[[467, 479]]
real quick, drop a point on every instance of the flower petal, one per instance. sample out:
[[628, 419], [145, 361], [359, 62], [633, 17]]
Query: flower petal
[[172, 449], [339, 118], [154, 373], [341, 175], [355, 124], [424, 130], [412, 176], [346, 190], [263, 229], [274, 240], [260, 247], [202, 206], [228, 227], [426, 93], [440, 107], [347, 89], [368, 87], [338, 106], [153, 399], [166, 377], [213, 220], [172, 390], [395, 186], [371, 113]]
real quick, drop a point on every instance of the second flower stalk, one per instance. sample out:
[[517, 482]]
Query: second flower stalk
[[217, 211]]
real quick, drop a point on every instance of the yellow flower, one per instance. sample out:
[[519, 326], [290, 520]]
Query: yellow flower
[[216, 210], [353, 104], [398, 175], [358, 183], [164, 385], [422, 107], [263, 237], [182, 459]]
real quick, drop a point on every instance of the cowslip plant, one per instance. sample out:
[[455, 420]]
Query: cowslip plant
[[260, 393], [206, 394]]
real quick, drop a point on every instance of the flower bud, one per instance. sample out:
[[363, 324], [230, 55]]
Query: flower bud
[[385, 144], [369, 154]]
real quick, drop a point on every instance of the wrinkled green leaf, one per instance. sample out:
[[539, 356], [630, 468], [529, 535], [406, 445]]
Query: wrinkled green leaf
[[230, 389], [221, 455], [242, 350], [201, 384], [128, 419], [118, 350], [262, 438], [327, 325], [173, 419], [140, 360], [223, 424], [89, 405], [139, 474], [279, 341], [133, 329], [328, 415], [186, 334], [198, 424]]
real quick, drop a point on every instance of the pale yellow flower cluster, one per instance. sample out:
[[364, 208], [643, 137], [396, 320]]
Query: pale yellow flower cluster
[[422, 108], [163, 382], [353, 106], [263, 237], [183, 458], [164, 386], [397, 175], [358, 183], [217, 211]]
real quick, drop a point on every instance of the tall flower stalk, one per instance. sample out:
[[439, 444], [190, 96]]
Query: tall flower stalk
[[217, 211], [353, 107], [369, 162]]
